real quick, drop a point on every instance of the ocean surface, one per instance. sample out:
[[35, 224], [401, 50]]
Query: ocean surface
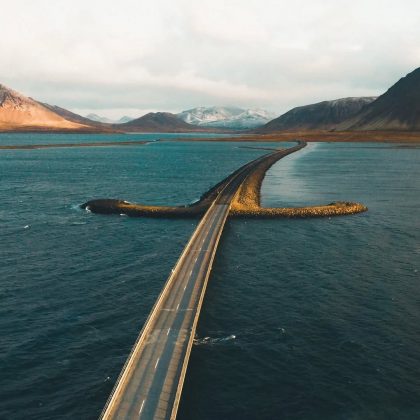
[[303, 319]]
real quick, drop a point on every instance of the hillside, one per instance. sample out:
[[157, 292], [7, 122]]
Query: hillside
[[396, 109], [159, 122], [76, 118], [320, 116], [20, 113]]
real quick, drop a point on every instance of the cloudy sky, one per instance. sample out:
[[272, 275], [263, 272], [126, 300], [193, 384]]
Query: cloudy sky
[[129, 57]]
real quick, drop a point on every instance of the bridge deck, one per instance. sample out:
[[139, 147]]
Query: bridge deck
[[151, 381]]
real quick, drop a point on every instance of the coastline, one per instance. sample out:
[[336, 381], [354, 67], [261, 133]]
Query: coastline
[[66, 145], [321, 136]]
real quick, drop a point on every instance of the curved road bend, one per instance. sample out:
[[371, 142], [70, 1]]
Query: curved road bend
[[150, 384]]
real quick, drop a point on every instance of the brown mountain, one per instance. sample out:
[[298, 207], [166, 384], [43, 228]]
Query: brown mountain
[[20, 113], [159, 122], [396, 109], [320, 116]]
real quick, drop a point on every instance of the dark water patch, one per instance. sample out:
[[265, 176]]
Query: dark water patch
[[325, 312]]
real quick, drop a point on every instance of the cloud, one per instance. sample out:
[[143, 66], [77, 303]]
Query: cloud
[[110, 56]]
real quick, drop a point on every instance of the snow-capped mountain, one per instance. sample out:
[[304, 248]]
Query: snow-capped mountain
[[226, 117]]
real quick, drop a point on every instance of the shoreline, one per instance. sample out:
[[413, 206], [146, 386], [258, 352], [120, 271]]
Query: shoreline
[[320, 136], [67, 145]]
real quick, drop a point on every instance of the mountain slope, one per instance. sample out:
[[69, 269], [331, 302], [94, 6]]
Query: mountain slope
[[396, 109], [226, 117], [320, 116], [159, 122], [20, 113], [71, 116]]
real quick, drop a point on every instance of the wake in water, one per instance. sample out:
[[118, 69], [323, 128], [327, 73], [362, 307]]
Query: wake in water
[[213, 341]]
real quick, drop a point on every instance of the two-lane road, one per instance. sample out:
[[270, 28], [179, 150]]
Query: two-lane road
[[150, 384]]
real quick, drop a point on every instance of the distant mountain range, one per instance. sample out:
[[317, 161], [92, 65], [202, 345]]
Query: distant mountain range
[[98, 118], [398, 109], [158, 122], [320, 116], [226, 117]]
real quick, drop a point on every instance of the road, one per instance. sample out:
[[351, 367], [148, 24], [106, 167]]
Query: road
[[150, 384]]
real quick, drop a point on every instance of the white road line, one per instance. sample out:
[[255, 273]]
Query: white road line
[[168, 331], [157, 361], [177, 307], [185, 287], [141, 408]]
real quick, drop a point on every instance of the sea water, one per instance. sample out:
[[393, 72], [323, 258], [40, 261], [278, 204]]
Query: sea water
[[303, 318]]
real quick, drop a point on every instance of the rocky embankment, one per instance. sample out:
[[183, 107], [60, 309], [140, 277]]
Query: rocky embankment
[[246, 202]]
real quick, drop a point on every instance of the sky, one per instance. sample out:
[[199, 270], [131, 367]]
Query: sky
[[129, 57]]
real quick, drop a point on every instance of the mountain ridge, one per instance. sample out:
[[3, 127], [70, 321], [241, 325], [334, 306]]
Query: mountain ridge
[[231, 117], [21, 113], [323, 115], [161, 122], [397, 109]]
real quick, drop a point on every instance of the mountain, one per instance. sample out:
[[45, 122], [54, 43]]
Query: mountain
[[226, 117], [124, 119], [321, 116], [397, 109], [105, 120], [71, 116], [20, 113], [159, 122], [98, 118]]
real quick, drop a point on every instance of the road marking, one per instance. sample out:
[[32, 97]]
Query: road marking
[[177, 307], [185, 287], [157, 361], [141, 408], [168, 331]]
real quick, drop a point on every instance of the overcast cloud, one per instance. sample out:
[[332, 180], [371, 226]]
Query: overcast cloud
[[134, 56]]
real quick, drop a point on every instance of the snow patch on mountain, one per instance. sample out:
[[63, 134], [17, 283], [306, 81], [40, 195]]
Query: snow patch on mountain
[[226, 117]]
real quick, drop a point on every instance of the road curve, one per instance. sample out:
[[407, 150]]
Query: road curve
[[150, 384]]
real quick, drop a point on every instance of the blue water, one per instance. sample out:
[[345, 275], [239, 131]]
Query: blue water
[[303, 319]]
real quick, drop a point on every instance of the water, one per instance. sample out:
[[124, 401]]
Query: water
[[303, 319]]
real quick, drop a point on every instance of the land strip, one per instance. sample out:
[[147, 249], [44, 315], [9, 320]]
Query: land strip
[[321, 136], [62, 145]]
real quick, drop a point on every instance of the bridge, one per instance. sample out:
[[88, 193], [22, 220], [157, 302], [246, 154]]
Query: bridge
[[151, 381]]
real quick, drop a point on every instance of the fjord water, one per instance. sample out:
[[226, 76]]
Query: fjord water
[[303, 319]]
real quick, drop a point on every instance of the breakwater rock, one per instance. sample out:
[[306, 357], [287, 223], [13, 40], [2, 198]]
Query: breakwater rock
[[246, 202]]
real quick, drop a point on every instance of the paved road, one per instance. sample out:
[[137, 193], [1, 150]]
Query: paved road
[[151, 381]]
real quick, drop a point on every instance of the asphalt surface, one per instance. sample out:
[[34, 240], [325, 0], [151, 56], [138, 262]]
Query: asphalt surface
[[151, 381]]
